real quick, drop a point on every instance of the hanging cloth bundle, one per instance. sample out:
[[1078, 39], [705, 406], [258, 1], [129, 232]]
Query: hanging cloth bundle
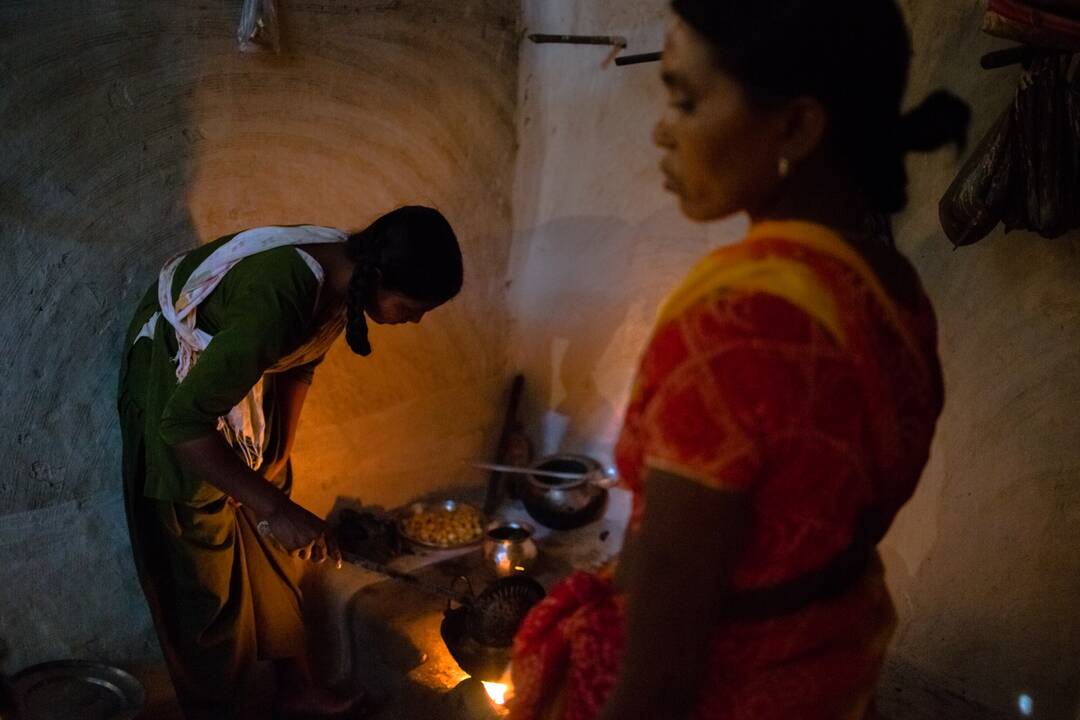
[[260, 29], [1026, 171]]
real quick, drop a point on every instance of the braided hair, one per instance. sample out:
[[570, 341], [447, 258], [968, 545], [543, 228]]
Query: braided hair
[[412, 251], [853, 56]]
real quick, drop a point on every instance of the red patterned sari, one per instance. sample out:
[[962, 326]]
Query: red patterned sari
[[781, 369]]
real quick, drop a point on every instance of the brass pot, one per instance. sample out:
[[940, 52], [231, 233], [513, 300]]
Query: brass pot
[[509, 548]]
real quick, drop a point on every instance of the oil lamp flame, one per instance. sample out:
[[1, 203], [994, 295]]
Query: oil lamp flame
[[496, 691]]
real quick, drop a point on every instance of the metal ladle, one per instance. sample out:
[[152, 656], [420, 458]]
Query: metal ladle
[[591, 476]]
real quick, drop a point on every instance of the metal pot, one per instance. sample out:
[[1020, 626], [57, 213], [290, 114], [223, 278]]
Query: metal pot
[[563, 504], [479, 633], [509, 548]]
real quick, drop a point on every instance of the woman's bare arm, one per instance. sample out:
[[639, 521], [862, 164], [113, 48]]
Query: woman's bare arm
[[210, 458], [676, 574]]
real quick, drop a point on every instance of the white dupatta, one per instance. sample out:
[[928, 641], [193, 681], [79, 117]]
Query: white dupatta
[[244, 427]]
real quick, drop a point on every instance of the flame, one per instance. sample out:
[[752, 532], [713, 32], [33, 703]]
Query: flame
[[496, 691]]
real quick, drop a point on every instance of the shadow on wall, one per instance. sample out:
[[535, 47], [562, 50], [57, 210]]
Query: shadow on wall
[[983, 560], [97, 148], [586, 308], [568, 318], [97, 141]]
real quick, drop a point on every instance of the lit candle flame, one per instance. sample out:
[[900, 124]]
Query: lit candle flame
[[495, 691]]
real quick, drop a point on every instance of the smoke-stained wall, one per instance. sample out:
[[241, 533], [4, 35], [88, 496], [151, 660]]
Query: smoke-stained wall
[[134, 130]]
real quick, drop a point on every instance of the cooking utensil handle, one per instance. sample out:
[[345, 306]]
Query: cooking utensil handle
[[495, 486], [532, 471], [603, 479], [453, 588]]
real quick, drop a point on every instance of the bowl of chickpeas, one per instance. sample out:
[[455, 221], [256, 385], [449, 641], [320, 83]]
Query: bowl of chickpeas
[[444, 525]]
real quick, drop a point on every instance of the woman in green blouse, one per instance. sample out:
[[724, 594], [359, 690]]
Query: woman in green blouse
[[217, 362]]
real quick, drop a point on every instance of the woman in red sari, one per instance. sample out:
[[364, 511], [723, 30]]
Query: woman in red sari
[[784, 407]]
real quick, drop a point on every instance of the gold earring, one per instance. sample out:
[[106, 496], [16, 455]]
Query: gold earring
[[784, 167]]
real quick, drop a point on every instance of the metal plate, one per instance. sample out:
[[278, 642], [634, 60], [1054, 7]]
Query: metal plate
[[440, 506], [78, 690]]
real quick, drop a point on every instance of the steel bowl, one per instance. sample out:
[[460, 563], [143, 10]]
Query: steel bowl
[[69, 689], [418, 508]]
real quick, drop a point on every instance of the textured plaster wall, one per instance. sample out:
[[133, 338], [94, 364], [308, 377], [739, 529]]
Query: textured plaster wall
[[597, 242], [133, 130], [983, 562]]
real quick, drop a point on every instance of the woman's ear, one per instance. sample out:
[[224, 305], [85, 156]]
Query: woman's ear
[[803, 123]]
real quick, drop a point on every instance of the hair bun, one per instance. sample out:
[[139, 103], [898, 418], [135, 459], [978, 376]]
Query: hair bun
[[941, 119]]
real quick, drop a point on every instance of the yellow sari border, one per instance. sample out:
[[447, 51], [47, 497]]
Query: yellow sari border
[[727, 270], [827, 242]]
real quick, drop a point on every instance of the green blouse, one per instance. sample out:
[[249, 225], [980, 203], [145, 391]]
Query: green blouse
[[261, 311]]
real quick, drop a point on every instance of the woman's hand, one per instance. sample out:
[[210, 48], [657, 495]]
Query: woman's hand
[[294, 528], [303, 533]]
